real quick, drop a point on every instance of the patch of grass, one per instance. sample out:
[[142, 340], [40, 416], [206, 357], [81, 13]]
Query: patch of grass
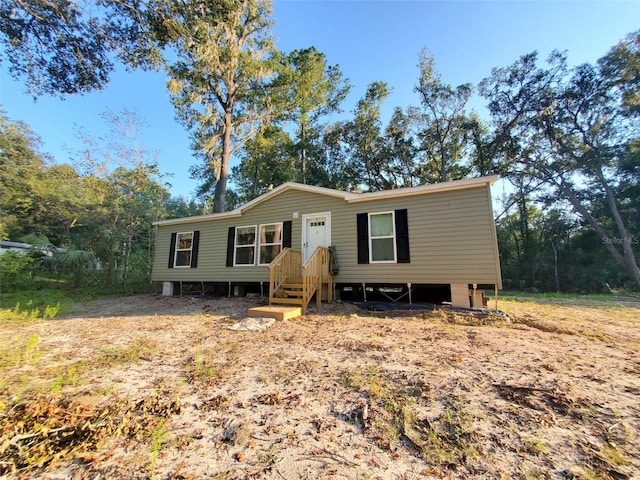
[[45, 304], [25, 351], [586, 473], [270, 457], [535, 445], [158, 438], [578, 297], [391, 415], [369, 378], [613, 455], [20, 351], [545, 326], [448, 440], [68, 377], [282, 375], [29, 312], [140, 349], [16, 353], [359, 345], [385, 412], [202, 369], [535, 475]]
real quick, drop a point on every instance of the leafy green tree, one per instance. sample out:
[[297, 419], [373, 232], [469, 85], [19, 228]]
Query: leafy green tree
[[15, 271], [138, 197], [268, 160], [425, 144], [223, 81], [401, 149], [336, 158], [61, 47], [483, 149], [178, 207], [569, 129], [128, 194], [444, 122], [620, 69], [36, 195], [20, 163], [556, 231], [358, 145], [100, 213], [315, 90], [61, 200], [72, 260], [519, 219]]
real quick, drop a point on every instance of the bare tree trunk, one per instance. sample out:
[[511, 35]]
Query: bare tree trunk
[[127, 256], [629, 260], [555, 265], [626, 259], [304, 155], [219, 201]]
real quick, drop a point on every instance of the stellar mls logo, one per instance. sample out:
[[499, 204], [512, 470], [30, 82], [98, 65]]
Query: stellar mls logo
[[621, 241]]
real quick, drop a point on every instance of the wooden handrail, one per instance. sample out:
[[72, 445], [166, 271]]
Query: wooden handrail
[[286, 264], [315, 272]]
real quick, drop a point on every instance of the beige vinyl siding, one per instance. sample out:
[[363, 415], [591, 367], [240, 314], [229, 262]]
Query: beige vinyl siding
[[451, 239], [213, 238], [451, 236]]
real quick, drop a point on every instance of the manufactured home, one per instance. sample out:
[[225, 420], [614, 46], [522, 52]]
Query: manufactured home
[[434, 243], [16, 247]]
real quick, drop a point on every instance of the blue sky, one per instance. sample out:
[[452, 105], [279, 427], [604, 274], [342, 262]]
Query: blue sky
[[369, 40]]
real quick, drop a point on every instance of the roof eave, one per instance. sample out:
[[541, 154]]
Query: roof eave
[[256, 201], [347, 196], [431, 188], [199, 218]]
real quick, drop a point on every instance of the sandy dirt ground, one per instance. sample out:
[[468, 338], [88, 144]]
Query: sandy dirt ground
[[162, 387]]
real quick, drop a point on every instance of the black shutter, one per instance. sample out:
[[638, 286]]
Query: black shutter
[[363, 237], [286, 234], [194, 248], [172, 249], [402, 236], [231, 241]]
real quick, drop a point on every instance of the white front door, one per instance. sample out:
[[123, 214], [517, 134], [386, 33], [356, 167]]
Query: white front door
[[316, 233]]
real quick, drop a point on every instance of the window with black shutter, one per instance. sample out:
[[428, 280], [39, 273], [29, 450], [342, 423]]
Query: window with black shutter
[[363, 237], [402, 236], [383, 237], [183, 249]]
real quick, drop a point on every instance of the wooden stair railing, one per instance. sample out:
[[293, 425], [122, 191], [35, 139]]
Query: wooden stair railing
[[286, 264], [294, 284]]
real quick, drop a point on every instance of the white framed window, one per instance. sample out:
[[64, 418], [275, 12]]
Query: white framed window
[[270, 242], [184, 246], [382, 237], [245, 246]]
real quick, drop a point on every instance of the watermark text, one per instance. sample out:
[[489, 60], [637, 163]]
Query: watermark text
[[621, 241]]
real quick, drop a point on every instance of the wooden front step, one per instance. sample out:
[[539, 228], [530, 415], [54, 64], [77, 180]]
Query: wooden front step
[[290, 288], [285, 301], [287, 293], [279, 312]]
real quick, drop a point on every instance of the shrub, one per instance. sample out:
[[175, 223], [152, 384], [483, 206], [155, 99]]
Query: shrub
[[15, 271]]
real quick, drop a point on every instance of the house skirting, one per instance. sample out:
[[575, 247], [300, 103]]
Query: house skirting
[[458, 295]]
